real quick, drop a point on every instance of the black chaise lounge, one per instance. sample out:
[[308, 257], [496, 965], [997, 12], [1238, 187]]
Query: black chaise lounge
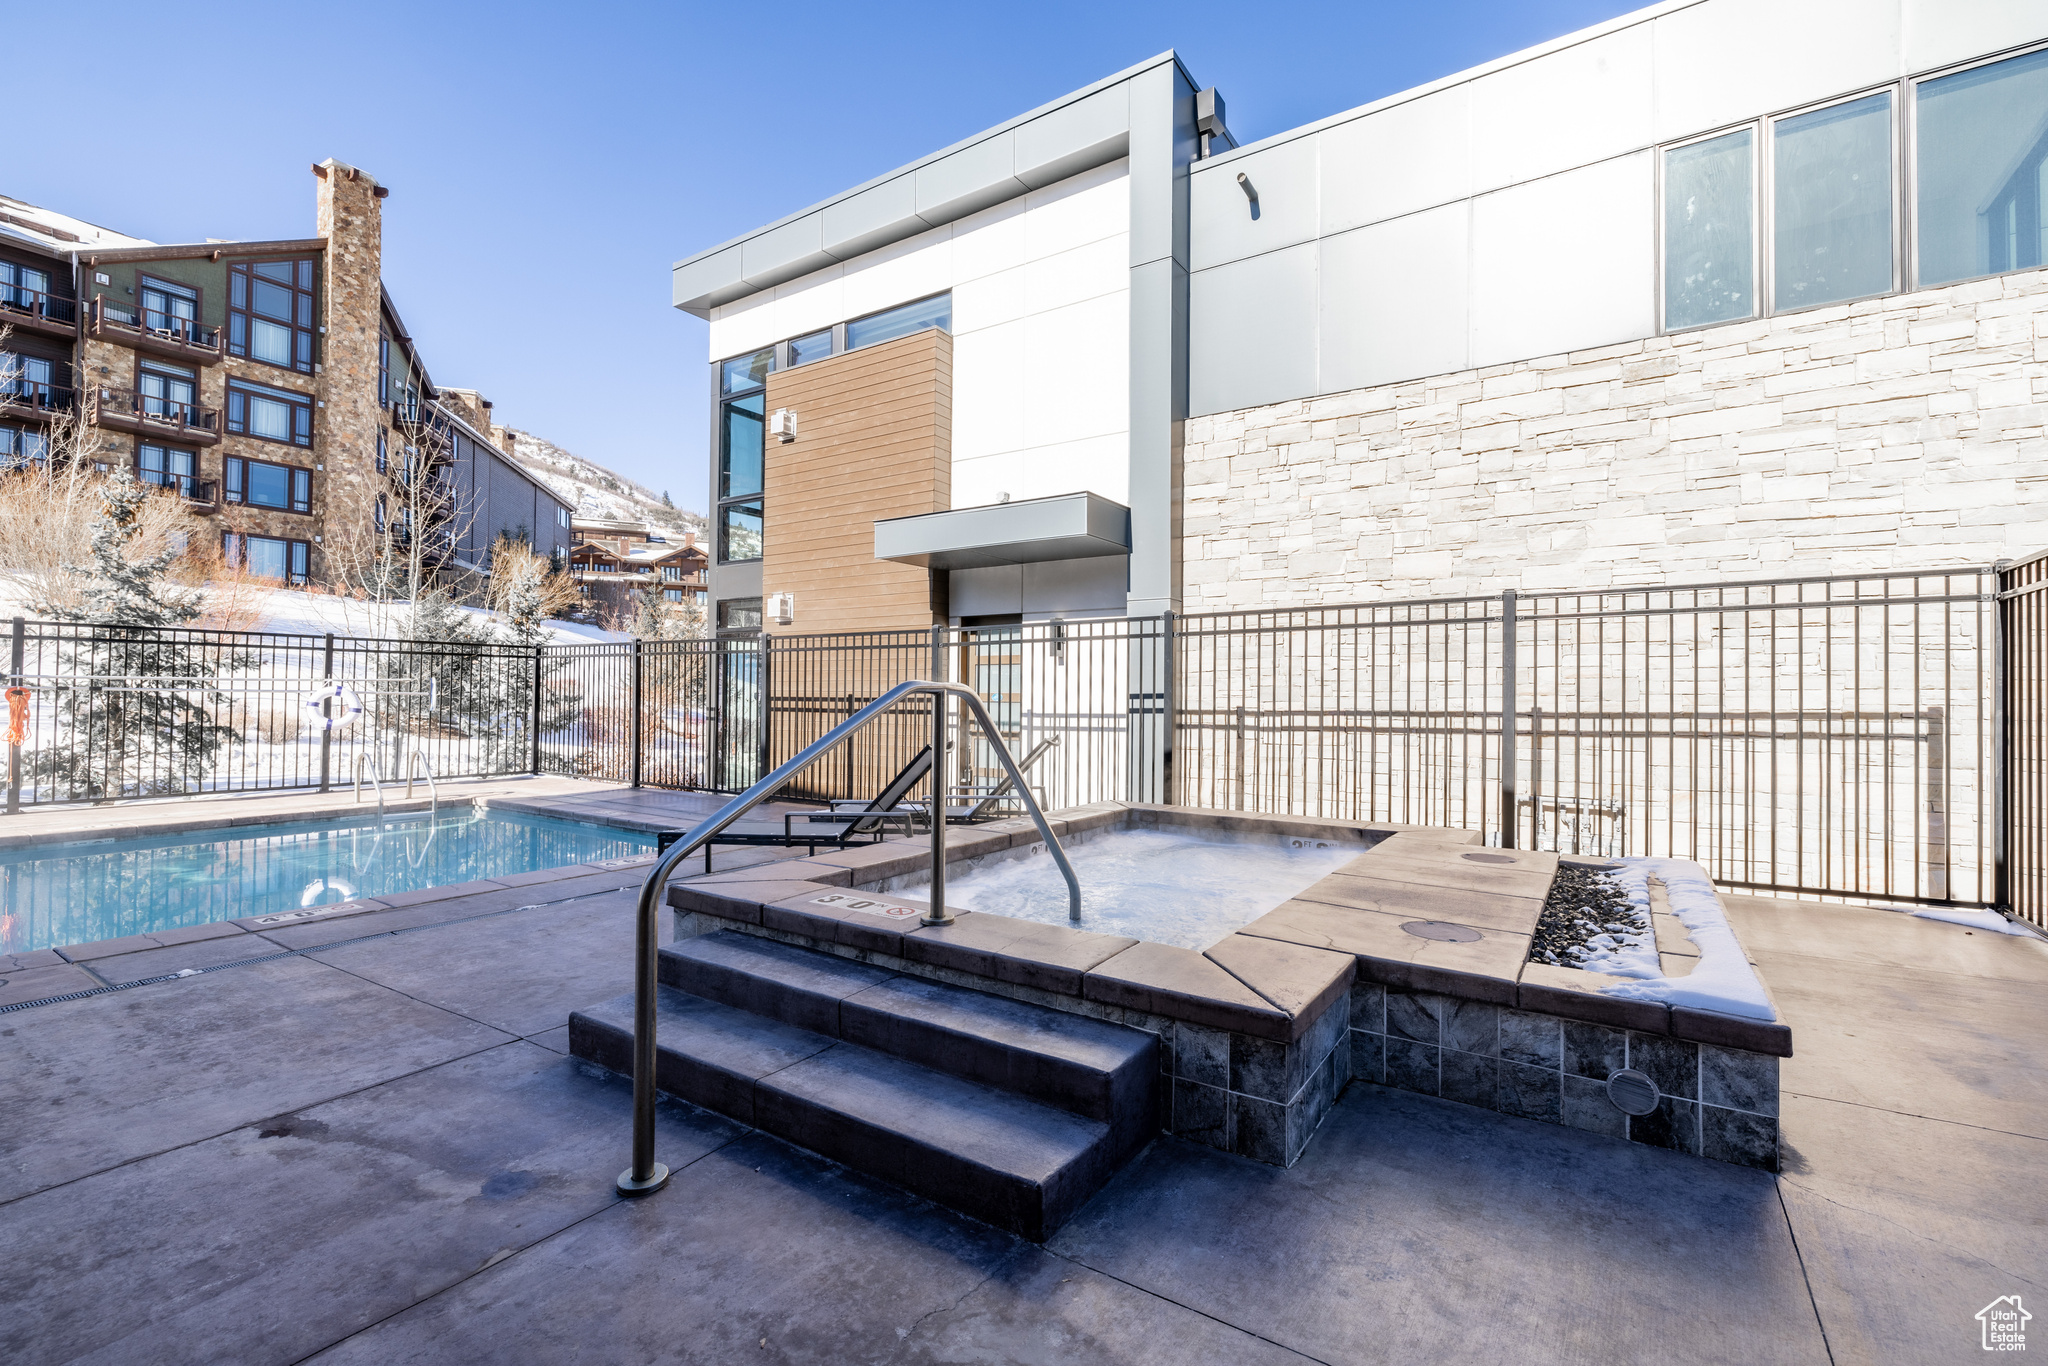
[[855, 822], [966, 805]]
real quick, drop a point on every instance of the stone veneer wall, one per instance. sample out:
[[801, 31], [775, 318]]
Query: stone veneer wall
[[1898, 432], [350, 216]]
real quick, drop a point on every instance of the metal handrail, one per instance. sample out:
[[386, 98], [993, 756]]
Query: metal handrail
[[375, 781], [646, 1175], [414, 762]]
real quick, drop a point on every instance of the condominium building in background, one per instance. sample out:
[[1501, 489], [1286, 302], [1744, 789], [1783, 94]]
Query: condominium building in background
[[271, 385], [1717, 289]]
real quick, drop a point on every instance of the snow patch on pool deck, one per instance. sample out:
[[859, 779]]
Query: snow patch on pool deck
[[1723, 979]]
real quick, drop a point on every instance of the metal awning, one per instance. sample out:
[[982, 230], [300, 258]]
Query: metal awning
[[1067, 526]]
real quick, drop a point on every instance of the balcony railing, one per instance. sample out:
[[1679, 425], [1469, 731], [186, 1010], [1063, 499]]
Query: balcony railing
[[27, 398], [150, 329], [34, 311], [200, 492], [129, 411]]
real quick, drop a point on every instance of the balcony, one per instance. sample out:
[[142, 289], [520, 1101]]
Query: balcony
[[200, 495], [31, 310], [125, 410], [26, 400], [153, 332]]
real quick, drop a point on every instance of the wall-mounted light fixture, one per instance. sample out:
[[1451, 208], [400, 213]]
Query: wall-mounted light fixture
[[1209, 117], [1250, 191]]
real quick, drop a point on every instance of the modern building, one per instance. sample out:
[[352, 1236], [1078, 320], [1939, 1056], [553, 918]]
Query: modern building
[[272, 384], [1716, 289]]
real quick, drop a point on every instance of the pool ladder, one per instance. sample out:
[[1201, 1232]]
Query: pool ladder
[[646, 1175], [415, 763]]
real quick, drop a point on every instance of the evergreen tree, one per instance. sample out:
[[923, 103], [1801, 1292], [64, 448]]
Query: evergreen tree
[[145, 723]]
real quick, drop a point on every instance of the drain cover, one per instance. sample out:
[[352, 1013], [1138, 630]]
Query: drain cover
[[1488, 858], [1441, 929], [1632, 1092]]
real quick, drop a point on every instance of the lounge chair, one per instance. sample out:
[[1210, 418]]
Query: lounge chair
[[855, 822], [982, 801]]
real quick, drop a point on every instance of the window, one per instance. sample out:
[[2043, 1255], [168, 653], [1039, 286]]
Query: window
[[383, 371], [380, 514], [167, 468], [31, 376], [672, 594], [746, 372], [1831, 203], [817, 346], [18, 447], [272, 414], [936, 311], [270, 312], [740, 447], [1709, 236], [24, 287], [383, 452], [1981, 192], [168, 307], [168, 391], [739, 532], [672, 571], [257, 483], [266, 557], [561, 517], [739, 614]]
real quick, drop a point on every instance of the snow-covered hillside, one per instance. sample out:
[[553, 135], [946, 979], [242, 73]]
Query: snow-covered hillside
[[596, 491]]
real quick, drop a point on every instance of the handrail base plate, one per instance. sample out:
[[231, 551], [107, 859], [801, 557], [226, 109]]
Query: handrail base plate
[[628, 1186]]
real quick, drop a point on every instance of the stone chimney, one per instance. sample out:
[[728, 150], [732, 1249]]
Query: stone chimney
[[350, 216]]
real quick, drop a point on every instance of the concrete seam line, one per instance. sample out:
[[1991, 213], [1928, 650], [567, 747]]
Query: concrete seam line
[[294, 953]]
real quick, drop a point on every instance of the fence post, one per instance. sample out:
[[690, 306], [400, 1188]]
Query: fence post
[[763, 716], [1167, 703], [2001, 746], [633, 768], [938, 675], [327, 732], [1508, 817], [18, 663], [538, 651]]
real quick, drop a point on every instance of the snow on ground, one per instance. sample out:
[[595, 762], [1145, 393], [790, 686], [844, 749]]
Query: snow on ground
[[1722, 980], [1976, 920], [293, 612]]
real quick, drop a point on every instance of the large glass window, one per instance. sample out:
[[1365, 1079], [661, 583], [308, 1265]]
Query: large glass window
[[19, 447], [740, 445], [746, 372], [26, 288], [817, 346], [1709, 230], [267, 557], [270, 312], [168, 307], [739, 535], [1831, 192], [1981, 139], [901, 322], [258, 483], [167, 468], [272, 414], [168, 392]]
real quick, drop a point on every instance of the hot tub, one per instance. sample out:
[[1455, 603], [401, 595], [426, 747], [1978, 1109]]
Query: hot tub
[[1279, 958]]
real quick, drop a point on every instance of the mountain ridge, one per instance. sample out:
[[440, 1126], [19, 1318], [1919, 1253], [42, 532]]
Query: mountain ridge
[[597, 493]]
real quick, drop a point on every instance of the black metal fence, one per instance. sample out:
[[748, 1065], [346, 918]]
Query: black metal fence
[[1877, 736]]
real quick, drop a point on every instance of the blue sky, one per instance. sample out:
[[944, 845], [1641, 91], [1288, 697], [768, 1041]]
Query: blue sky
[[549, 163]]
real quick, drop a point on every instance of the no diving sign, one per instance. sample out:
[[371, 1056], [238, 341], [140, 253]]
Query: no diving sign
[[853, 903]]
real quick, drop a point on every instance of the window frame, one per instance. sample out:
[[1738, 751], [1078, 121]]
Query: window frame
[[234, 485], [168, 370], [842, 335], [298, 555], [1756, 244], [145, 281], [244, 270], [244, 389], [1910, 135], [180, 482], [1894, 139]]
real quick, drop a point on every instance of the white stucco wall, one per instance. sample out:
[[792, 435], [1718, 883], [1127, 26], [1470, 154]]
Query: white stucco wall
[[1509, 211], [1041, 333]]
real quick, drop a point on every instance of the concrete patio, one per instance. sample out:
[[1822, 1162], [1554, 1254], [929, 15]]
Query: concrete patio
[[379, 1152]]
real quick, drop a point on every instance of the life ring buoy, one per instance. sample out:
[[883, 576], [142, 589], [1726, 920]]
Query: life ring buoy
[[351, 705]]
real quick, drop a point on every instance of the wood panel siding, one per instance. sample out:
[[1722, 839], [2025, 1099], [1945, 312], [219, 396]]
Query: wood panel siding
[[873, 440]]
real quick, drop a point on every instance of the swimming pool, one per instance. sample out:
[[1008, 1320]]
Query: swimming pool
[[59, 894]]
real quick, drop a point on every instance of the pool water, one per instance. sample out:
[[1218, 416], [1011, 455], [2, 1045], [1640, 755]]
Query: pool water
[[59, 894], [1169, 887]]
